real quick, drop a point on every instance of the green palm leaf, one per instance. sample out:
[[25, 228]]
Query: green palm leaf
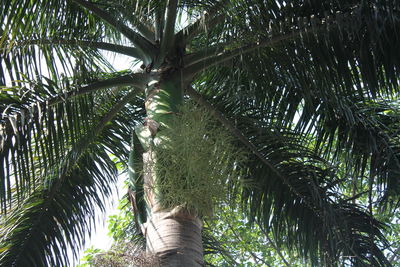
[[39, 128], [293, 191], [59, 207], [309, 88]]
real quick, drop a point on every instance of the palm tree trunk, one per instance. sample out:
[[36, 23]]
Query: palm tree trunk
[[173, 235]]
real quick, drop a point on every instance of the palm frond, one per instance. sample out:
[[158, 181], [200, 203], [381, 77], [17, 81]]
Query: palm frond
[[27, 40], [35, 137], [325, 88], [346, 39], [57, 216], [302, 209], [339, 118], [363, 136], [39, 126], [294, 192], [60, 208], [52, 18]]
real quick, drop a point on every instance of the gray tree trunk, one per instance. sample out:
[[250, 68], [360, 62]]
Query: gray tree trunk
[[174, 237]]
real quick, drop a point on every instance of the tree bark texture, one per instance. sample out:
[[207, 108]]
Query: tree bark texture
[[174, 237]]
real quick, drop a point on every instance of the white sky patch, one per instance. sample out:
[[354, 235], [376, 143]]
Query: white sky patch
[[120, 62], [100, 238]]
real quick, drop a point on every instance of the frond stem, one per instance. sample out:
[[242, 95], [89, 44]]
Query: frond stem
[[168, 37], [145, 46], [134, 79], [141, 26], [159, 22], [209, 19], [115, 109], [145, 31], [201, 65], [196, 57], [120, 49]]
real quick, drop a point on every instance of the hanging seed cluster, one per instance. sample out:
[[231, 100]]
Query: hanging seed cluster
[[195, 161]]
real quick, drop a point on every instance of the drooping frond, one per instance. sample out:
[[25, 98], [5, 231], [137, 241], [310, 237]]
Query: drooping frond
[[344, 39], [36, 136], [313, 92], [292, 190], [348, 125], [57, 216], [40, 122], [30, 40], [69, 167], [298, 198]]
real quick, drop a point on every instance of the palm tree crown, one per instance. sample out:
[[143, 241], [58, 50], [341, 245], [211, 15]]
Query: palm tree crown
[[309, 89]]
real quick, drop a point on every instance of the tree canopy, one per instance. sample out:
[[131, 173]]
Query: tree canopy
[[308, 88]]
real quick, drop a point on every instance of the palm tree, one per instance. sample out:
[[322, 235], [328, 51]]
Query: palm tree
[[309, 89]]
